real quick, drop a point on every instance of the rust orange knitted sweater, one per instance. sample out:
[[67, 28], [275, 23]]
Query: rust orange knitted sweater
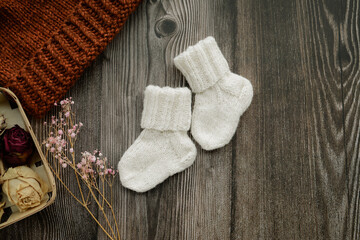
[[46, 44]]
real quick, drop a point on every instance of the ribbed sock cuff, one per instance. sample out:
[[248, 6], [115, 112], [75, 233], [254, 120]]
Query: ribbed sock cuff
[[202, 64], [166, 109]]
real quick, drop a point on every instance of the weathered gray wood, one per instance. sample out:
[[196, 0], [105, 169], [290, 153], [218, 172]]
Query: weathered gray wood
[[184, 206], [349, 57], [295, 173], [65, 219], [292, 169]]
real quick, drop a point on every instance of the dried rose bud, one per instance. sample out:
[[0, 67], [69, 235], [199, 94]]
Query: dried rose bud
[[24, 187], [16, 146], [3, 124]]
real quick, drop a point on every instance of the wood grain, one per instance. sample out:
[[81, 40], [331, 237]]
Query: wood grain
[[349, 54], [65, 219], [296, 170], [292, 170], [184, 206]]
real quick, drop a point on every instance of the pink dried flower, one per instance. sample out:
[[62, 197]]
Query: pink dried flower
[[61, 146]]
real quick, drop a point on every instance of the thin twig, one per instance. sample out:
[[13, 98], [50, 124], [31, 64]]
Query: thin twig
[[101, 209], [63, 140]]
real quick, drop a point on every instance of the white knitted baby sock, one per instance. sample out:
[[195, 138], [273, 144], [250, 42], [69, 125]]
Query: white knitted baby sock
[[221, 96], [163, 147]]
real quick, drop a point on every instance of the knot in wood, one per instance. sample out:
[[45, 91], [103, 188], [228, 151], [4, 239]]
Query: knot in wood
[[165, 27]]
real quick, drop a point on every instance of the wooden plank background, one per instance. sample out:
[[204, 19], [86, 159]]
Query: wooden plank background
[[292, 169]]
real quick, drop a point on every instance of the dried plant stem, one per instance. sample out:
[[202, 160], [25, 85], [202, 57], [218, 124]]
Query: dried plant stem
[[73, 158], [111, 209], [77, 178], [101, 209], [103, 188], [100, 205], [87, 198], [61, 181], [93, 170], [92, 215], [116, 225], [83, 204]]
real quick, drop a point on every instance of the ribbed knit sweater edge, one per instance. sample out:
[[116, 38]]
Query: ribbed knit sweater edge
[[54, 68]]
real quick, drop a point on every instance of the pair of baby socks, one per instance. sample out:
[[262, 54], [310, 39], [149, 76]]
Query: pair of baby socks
[[164, 147]]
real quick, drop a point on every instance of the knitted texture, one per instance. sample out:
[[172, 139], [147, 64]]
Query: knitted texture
[[46, 45], [163, 147], [166, 109], [222, 96], [202, 64]]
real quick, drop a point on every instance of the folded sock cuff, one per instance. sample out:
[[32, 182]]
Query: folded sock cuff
[[166, 109], [202, 64]]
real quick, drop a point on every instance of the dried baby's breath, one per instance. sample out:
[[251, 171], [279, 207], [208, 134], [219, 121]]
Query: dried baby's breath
[[94, 176]]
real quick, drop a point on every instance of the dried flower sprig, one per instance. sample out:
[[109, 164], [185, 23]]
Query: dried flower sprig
[[93, 172]]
